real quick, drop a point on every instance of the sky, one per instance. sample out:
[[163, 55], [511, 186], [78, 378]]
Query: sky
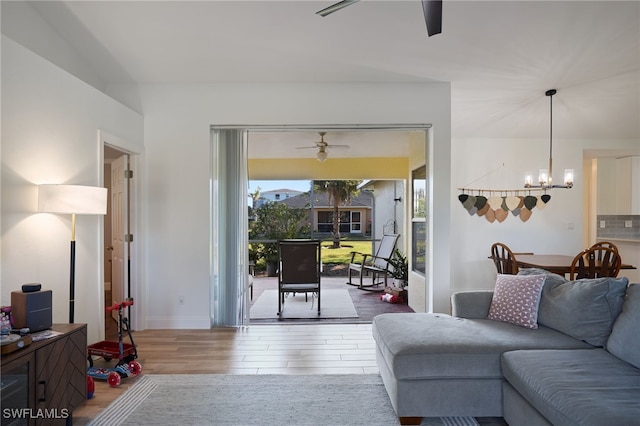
[[268, 185]]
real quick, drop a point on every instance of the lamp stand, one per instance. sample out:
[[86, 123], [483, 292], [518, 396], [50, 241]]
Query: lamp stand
[[73, 200], [72, 273]]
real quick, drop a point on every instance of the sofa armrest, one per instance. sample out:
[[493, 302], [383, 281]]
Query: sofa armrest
[[471, 304]]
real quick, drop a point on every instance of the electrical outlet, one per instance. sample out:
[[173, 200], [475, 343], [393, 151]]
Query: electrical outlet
[[180, 300], [602, 224], [628, 224]]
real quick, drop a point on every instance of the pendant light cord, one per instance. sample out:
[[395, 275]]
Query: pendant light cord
[[550, 93]]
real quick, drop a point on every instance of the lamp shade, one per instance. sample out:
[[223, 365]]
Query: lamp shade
[[70, 199]]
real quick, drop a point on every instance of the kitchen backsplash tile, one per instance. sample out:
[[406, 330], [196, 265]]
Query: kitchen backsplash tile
[[615, 227]]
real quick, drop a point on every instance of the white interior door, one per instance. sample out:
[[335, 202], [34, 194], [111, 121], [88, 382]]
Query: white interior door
[[119, 230]]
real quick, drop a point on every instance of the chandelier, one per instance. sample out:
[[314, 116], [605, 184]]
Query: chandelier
[[545, 176], [495, 204]]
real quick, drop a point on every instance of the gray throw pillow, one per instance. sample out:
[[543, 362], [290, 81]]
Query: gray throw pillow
[[584, 309], [551, 279], [624, 341]]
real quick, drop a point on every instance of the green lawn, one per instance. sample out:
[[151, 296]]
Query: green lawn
[[333, 256], [343, 254]]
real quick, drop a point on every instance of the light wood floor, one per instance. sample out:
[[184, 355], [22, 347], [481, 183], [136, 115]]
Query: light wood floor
[[258, 349]]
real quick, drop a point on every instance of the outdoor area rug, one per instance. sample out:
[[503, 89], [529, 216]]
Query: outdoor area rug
[[335, 304], [247, 400]]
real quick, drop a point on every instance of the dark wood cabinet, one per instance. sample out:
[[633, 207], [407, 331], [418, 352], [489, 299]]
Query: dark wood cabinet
[[43, 383]]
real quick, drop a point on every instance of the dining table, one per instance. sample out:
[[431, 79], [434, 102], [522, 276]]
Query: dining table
[[557, 263]]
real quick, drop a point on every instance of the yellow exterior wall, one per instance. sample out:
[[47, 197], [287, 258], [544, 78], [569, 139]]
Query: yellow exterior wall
[[332, 168]]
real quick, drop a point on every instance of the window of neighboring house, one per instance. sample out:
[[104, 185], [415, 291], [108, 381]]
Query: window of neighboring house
[[325, 221], [277, 197], [419, 220]]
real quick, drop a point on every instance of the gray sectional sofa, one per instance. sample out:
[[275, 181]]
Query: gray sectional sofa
[[580, 366]]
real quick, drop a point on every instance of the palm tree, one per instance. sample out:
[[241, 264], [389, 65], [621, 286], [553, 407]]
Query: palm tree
[[338, 192], [255, 196]]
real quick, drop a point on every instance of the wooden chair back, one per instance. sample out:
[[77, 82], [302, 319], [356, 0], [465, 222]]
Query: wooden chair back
[[595, 262], [607, 244], [504, 259]]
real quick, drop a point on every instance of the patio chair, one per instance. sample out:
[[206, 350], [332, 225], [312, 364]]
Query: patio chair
[[596, 262], [376, 265], [299, 269], [504, 259]]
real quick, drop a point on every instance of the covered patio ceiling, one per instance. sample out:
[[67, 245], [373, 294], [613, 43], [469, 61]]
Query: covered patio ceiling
[[302, 144]]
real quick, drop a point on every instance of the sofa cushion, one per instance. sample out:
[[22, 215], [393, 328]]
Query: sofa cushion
[[585, 309], [624, 341], [550, 280], [419, 345], [471, 304], [576, 387], [516, 298]]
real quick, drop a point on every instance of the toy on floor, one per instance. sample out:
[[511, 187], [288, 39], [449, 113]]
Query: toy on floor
[[91, 387], [126, 353], [391, 298]]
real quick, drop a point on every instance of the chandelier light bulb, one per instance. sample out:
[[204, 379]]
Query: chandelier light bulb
[[528, 181], [568, 177], [543, 176]]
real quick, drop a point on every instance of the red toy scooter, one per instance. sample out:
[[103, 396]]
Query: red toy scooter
[[126, 353]]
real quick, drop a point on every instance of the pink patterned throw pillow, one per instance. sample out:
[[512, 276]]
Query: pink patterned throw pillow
[[516, 299]]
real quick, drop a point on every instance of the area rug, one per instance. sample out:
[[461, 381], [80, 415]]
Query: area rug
[[247, 400], [334, 304]]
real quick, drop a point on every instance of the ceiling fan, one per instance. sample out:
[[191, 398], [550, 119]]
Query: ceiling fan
[[432, 10], [322, 146]]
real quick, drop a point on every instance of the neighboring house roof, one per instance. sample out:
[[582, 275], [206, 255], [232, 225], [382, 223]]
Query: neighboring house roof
[[276, 195], [366, 184], [364, 199], [281, 191]]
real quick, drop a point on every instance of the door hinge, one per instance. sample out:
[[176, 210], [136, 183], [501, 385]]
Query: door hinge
[[128, 238], [128, 174]]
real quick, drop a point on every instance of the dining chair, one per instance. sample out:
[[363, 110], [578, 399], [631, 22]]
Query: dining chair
[[299, 270], [607, 244], [504, 259], [595, 262]]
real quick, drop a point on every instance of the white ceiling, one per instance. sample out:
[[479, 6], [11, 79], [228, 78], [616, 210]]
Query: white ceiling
[[500, 57]]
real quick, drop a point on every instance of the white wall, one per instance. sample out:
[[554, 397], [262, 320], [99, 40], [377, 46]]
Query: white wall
[[558, 229], [177, 120], [22, 23], [388, 210], [50, 123]]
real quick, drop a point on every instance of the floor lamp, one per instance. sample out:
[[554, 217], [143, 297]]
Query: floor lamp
[[73, 200]]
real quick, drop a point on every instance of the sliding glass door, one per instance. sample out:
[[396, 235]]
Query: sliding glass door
[[229, 263]]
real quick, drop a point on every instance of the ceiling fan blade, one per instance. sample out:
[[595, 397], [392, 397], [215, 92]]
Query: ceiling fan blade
[[335, 7], [307, 147], [432, 16], [337, 146]]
